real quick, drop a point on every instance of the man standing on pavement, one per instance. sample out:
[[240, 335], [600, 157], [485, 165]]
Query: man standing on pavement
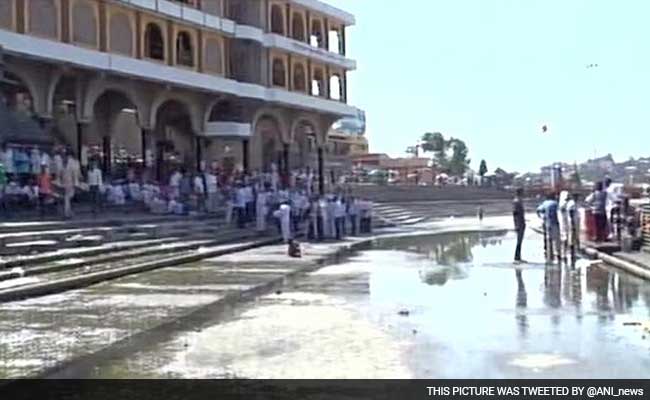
[[95, 183], [69, 180], [548, 211], [519, 216]]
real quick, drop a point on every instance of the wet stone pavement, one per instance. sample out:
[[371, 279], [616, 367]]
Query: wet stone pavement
[[41, 333], [445, 306]]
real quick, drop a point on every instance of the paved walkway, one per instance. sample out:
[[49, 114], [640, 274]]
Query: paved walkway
[[105, 320]]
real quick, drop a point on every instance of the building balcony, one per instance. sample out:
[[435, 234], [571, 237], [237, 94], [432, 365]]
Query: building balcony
[[74, 56], [190, 14]]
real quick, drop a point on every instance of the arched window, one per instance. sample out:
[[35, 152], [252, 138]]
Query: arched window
[[316, 38], [84, 24], [121, 34], [298, 27], [299, 78], [277, 20], [335, 88], [318, 84], [279, 73], [212, 56], [154, 44], [184, 51], [43, 18]]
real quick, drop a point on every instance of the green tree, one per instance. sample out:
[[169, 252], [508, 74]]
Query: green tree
[[459, 162], [455, 163], [482, 169], [435, 143]]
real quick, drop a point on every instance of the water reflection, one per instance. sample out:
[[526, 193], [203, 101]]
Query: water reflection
[[521, 304], [563, 287], [448, 253]]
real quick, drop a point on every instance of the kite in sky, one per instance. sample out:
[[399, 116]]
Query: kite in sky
[[544, 129]]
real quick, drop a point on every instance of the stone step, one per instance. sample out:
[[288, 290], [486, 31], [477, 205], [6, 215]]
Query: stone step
[[61, 284], [25, 260], [122, 257], [56, 224]]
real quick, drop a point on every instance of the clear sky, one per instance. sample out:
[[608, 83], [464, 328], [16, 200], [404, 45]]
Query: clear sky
[[492, 72]]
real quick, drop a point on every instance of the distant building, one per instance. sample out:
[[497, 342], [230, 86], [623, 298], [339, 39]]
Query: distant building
[[406, 169]]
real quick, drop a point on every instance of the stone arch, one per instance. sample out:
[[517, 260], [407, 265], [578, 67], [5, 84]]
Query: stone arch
[[267, 143], [113, 133], [14, 74], [304, 141], [298, 27], [17, 96], [36, 78], [224, 109], [43, 18], [121, 35], [154, 42], [84, 23], [279, 73], [175, 135], [98, 87], [193, 109], [277, 19], [213, 55], [185, 49], [299, 78], [279, 117]]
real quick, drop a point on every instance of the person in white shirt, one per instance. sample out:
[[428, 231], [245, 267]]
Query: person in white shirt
[[147, 194], [35, 161], [262, 209], [240, 205], [57, 166], [212, 190], [46, 160], [8, 160], [612, 205], [283, 214], [95, 182], [30, 193], [199, 192], [331, 216], [353, 215], [339, 215], [324, 220], [69, 180], [117, 195], [275, 177], [174, 184], [365, 212], [249, 199], [83, 157]]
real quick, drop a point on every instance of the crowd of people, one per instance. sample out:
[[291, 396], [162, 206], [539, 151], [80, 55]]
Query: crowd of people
[[289, 202], [32, 177], [607, 215]]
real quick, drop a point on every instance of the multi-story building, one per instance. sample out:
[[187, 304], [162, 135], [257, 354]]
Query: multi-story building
[[241, 82]]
